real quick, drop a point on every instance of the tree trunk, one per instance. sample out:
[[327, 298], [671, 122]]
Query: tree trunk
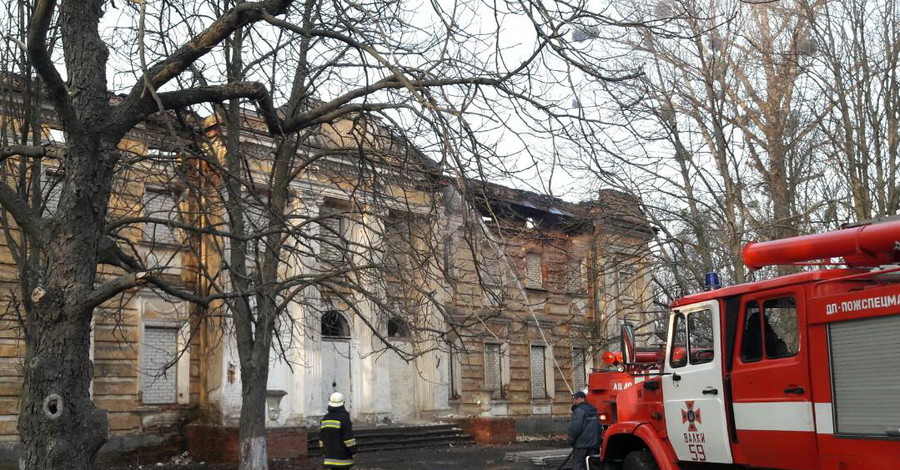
[[58, 423], [253, 418]]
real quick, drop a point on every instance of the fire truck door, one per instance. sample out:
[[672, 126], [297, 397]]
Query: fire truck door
[[770, 383], [693, 388]]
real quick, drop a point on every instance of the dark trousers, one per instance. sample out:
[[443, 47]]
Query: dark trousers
[[578, 457]]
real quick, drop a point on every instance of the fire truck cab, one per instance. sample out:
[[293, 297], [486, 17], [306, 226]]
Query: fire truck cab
[[799, 372]]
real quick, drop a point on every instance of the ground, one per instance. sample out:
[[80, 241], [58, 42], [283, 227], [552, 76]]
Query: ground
[[444, 458]]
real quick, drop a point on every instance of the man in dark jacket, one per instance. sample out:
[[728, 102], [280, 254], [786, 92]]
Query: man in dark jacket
[[336, 435], [584, 432]]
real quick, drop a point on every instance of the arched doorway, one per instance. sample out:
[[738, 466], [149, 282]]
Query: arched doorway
[[335, 330]]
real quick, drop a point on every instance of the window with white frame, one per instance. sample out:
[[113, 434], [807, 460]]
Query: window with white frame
[[539, 372], [159, 349]]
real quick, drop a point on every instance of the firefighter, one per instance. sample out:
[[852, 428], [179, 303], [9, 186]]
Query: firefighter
[[336, 435], [584, 431]]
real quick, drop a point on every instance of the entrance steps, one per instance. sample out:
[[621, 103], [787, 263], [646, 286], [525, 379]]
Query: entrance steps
[[400, 437]]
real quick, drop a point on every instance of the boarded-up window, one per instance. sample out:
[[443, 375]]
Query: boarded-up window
[[398, 242], [255, 222], [160, 205], [159, 347], [51, 190], [534, 276], [578, 276], [332, 236], [579, 368], [493, 372], [490, 264], [538, 372]]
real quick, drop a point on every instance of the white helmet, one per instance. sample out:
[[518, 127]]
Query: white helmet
[[336, 400]]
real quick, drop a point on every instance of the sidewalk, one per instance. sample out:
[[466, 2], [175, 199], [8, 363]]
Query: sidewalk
[[454, 458]]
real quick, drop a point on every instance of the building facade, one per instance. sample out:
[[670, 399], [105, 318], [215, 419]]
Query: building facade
[[485, 300]]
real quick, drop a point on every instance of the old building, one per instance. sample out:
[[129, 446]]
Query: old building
[[476, 299]]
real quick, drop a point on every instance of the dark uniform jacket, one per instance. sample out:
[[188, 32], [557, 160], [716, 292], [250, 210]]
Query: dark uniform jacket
[[336, 438], [584, 431]]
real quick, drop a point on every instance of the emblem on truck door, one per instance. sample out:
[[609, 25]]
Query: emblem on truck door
[[691, 416]]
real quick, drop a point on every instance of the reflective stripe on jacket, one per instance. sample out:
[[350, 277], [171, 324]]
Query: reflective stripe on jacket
[[336, 437]]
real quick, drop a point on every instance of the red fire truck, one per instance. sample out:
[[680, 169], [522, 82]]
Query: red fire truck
[[798, 372]]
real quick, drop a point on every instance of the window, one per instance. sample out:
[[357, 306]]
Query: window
[[333, 228], [751, 342], [455, 377], [160, 204], [334, 325], [678, 356], [782, 337], [51, 190], [701, 341], [493, 372], [628, 288], [534, 278], [255, 222], [538, 372], [490, 264], [397, 328], [579, 368], [774, 331], [159, 348], [578, 276]]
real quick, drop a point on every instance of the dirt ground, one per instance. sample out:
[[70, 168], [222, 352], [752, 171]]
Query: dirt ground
[[441, 458]]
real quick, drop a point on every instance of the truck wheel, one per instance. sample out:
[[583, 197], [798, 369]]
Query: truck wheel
[[640, 460]]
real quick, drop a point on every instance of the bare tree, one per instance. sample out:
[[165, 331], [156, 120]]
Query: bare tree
[[436, 81]]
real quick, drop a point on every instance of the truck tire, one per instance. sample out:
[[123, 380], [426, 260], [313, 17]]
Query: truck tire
[[640, 460]]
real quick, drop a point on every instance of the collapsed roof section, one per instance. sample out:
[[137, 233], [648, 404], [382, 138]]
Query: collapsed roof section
[[517, 209]]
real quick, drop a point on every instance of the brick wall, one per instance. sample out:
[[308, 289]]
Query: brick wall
[[219, 444], [158, 349]]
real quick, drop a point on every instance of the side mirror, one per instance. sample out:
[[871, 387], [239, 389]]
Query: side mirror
[[627, 345]]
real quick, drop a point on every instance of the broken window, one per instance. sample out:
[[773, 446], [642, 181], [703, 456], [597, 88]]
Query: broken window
[[538, 372], [334, 325], [397, 328]]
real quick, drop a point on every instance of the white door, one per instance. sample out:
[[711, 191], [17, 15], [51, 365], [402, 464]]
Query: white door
[[335, 371], [692, 386]]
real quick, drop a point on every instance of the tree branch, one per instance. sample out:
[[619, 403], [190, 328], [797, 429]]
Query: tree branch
[[177, 62], [115, 287], [43, 64], [25, 217], [211, 94], [31, 151]]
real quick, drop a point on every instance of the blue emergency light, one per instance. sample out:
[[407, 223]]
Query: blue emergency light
[[712, 281]]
